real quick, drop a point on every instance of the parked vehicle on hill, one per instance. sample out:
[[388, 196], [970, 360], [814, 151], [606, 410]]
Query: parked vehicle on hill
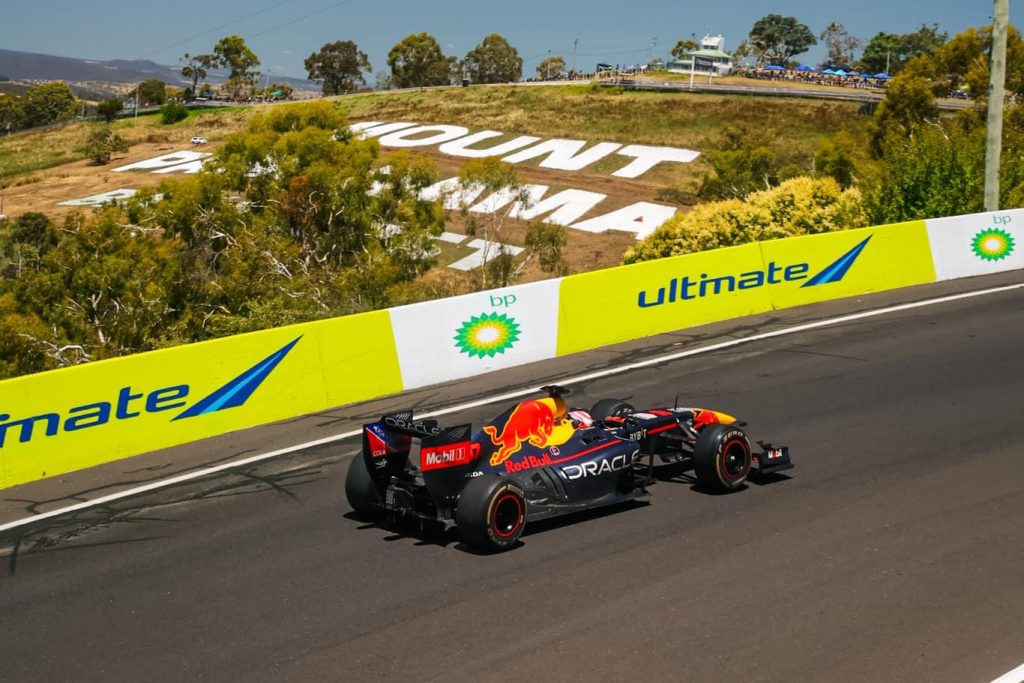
[[541, 459]]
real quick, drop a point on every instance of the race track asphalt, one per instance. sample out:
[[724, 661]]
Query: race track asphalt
[[893, 552]]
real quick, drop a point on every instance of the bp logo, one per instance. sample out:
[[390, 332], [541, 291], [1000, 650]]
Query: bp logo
[[992, 244], [487, 334]]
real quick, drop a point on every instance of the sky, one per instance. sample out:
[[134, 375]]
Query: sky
[[284, 32]]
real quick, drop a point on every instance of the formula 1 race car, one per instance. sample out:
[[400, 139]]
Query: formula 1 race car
[[539, 459]]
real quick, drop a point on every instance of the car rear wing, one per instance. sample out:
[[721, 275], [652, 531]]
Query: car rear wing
[[447, 454]]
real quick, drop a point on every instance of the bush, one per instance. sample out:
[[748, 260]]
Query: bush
[[101, 143], [109, 109], [738, 172], [801, 206], [172, 113], [834, 158], [932, 173]]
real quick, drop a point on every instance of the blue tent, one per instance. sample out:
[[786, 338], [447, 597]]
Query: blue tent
[[840, 72], [883, 75], [804, 67], [829, 72], [774, 67]]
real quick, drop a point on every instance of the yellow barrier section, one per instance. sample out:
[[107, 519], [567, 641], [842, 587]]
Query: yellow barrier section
[[849, 262], [615, 305], [610, 306], [73, 418]]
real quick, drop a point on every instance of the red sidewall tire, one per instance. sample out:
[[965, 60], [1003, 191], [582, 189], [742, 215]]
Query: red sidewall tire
[[721, 457], [491, 513]]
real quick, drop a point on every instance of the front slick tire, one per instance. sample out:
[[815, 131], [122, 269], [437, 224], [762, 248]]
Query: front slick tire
[[491, 513], [360, 489], [721, 458]]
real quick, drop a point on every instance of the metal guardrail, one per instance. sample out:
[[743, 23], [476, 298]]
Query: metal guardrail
[[854, 95]]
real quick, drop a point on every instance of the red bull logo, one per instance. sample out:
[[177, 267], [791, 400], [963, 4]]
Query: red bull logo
[[531, 422], [528, 463]]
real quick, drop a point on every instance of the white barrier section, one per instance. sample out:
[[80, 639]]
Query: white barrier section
[[448, 339], [977, 244]]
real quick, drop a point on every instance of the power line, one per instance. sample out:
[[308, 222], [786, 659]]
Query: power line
[[217, 28]]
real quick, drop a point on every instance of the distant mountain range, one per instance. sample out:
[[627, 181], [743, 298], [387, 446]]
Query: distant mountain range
[[29, 66]]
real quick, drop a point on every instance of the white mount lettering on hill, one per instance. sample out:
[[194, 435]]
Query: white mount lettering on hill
[[558, 153]]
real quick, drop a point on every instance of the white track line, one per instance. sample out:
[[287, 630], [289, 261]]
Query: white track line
[[207, 471], [1015, 676]]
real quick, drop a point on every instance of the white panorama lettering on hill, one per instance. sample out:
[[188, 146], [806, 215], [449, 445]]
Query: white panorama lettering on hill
[[641, 218], [565, 207], [558, 153], [102, 198], [185, 158]]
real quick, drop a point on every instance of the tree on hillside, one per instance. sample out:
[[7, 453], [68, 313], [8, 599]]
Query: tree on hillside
[[417, 61], [964, 60], [232, 53], [683, 47], [49, 103], [908, 104], [551, 67], [742, 51], [152, 91], [338, 66], [109, 109], [196, 68], [778, 39], [891, 51], [491, 177], [494, 61], [101, 143], [841, 45], [12, 114]]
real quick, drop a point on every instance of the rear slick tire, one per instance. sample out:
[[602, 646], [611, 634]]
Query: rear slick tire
[[491, 513], [360, 489], [721, 458]]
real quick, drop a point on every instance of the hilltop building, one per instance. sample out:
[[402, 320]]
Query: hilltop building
[[710, 59]]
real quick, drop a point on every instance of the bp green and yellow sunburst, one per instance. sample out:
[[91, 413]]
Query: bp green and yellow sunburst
[[992, 244], [487, 334]]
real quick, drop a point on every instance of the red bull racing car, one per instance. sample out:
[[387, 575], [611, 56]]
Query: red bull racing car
[[540, 459]]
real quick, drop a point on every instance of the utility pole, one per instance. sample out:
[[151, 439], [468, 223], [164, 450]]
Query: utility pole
[[575, 42], [996, 90], [137, 100]]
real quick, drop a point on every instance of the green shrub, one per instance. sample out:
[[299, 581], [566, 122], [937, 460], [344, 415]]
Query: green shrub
[[101, 143], [738, 172], [801, 206], [172, 112]]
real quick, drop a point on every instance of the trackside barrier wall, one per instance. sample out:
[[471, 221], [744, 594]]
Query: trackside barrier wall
[[683, 291], [977, 244], [73, 418]]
